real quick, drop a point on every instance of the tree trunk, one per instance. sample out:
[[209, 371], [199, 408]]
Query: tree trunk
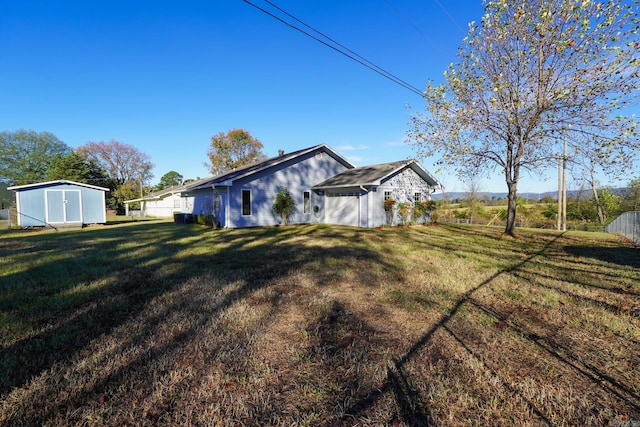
[[594, 190], [601, 217], [511, 209]]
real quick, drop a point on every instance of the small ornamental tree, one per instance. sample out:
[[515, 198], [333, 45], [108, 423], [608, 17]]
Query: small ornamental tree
[[284, 205], [404, 210], [388, 209], [420, 210]]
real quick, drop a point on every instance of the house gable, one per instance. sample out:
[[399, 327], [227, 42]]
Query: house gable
[[298, 172]]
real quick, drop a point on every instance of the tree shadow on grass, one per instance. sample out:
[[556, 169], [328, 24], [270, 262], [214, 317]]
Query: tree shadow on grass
[[624, 256], [620, 391], [136, 266]]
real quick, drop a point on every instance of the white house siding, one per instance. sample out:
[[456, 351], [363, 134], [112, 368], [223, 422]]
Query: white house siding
[[165, 207]]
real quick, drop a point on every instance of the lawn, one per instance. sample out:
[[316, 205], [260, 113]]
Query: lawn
[[152, 323]]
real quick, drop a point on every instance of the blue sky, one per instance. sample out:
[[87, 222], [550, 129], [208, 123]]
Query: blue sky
[[165, 76]]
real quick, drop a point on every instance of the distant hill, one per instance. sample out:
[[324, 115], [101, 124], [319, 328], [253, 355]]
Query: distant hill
[[530, 196]]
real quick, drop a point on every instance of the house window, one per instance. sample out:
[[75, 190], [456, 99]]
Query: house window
[[246, 202], [417, 197], [307, 202], [388, 195], [176, 204]]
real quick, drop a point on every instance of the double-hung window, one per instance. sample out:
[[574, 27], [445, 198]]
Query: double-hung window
[[246, 202], [306, 202]]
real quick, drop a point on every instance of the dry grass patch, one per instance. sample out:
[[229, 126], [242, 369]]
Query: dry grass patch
[[157, 324]]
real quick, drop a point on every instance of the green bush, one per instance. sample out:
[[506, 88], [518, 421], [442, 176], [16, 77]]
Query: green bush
[[284, 205]]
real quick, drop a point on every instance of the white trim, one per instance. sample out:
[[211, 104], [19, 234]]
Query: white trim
[[18, 210], [64, 204], [60, 181]]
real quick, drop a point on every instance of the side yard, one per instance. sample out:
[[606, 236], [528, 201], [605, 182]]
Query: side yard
[[152, 323]]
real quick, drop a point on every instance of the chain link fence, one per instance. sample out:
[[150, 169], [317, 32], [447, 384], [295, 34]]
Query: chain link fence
[[8, 218]]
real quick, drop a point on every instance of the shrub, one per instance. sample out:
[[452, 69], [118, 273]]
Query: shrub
[[404, 209], [284, 205]]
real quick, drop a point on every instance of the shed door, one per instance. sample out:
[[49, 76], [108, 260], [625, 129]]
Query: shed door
[[342, 208], [63, 206], [73, 213]]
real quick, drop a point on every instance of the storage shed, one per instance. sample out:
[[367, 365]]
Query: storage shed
[[60, 203]]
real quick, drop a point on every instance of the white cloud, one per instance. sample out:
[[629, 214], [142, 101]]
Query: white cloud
[[360, 147]]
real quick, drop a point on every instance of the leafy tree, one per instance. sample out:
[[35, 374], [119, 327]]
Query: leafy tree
[[588, 158], [123, 162], [6, 196], [27, 155], [631, 197], [169, 179], [532, 74], [580, 209], [472, 198], [607, 205], [284, 205], [128, 191], [232, 150], [77, 167]]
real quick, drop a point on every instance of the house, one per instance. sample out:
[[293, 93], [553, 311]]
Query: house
[[60, 203], [326, 186], [164, 203], [244, 197], [161, 204]]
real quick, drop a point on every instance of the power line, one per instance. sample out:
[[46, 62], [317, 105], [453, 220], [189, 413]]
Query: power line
[[332, 44], [414, 26], [449, 15]]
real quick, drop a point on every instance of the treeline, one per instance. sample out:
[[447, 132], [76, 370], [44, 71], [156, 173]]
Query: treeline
[[28, 157], [582, 207]]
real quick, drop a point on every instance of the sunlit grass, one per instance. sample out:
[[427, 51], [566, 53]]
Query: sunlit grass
[[149, 322]]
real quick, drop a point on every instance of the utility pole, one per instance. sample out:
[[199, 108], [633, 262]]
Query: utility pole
[[560, 204], [564, 187], [561, 222]]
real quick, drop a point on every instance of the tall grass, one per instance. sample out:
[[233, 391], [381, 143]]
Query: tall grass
[[153, 323]]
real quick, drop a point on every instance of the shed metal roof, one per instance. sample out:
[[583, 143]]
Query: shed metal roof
[[56, 182]]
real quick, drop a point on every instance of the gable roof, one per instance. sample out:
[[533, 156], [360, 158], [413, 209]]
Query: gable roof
[[228, 178], [375, 175], [56, 182], [165, 192]]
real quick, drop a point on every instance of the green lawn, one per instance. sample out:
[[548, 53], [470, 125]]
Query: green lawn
[[152, 323]]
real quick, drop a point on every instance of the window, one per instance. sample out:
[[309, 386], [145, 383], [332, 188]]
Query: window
[[307, 202], [417, 197], [246, 202], [176, 203], [388, 195]]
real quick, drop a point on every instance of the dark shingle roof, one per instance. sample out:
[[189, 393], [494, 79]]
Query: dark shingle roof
[[374, 175], [365, 175], [226, 178]]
